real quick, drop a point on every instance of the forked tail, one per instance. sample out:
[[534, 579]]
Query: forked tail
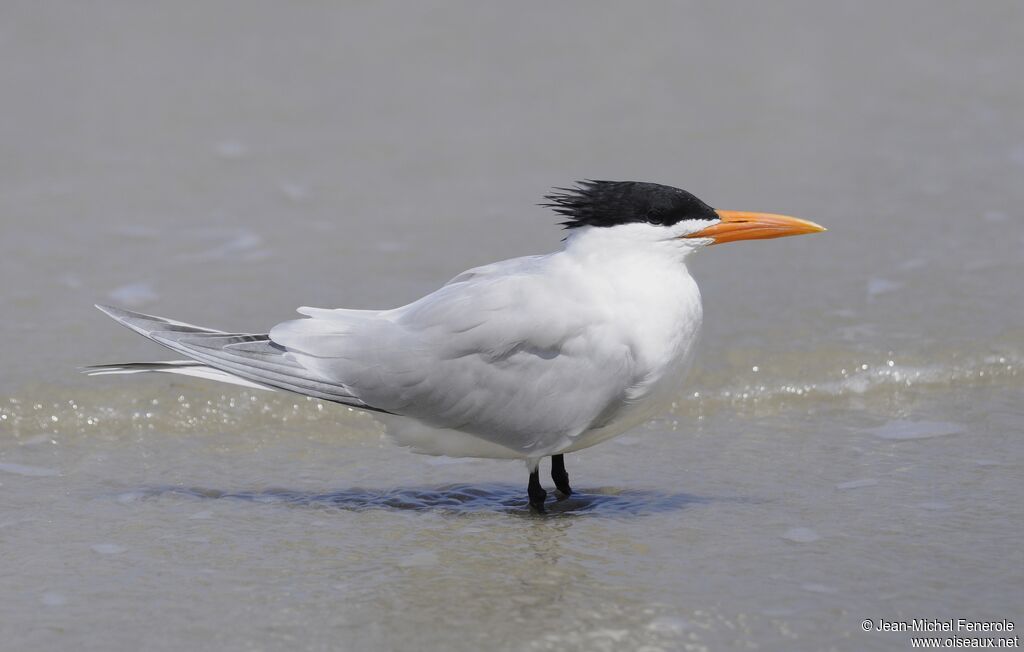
[[246, 359]]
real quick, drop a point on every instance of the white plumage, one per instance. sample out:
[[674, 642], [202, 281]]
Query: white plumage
[[525, 358], [534, 356]]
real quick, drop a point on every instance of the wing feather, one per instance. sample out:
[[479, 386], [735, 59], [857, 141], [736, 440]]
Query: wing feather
[[494, 353]]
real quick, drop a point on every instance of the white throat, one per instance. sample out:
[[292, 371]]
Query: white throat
[[630, 241]]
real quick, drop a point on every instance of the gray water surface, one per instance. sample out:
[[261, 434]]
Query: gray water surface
[[849, 445]]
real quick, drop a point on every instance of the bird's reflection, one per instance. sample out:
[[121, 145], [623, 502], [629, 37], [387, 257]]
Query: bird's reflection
[[456, 499]]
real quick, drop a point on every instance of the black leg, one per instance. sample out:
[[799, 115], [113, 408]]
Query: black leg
[[537, 493], [559, 475]]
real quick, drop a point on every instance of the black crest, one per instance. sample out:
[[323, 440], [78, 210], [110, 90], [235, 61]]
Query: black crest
[[607, 203]]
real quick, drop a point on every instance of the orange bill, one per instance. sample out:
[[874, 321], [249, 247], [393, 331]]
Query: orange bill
[[741, 225]]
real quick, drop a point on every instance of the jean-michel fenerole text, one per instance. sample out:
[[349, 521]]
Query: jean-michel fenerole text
[[950, 625]]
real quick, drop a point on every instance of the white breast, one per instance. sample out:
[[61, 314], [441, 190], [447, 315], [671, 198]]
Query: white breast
[[661, 321]]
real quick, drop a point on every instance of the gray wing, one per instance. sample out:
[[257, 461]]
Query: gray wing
[[503, 352], [252, 357]]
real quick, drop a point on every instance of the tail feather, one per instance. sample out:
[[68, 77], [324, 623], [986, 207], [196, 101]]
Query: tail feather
[[145, 324], [250, 358], [177, 367]]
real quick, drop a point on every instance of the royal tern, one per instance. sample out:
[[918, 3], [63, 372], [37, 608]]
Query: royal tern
[[526, 358]]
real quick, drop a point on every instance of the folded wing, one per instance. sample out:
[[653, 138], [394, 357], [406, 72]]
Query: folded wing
[[496, 353]]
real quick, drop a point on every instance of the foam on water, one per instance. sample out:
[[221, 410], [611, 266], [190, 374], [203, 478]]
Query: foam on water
[[863, 378], [772, 386], [104, 413]]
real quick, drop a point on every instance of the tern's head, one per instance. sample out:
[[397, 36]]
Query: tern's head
[[639, 212]]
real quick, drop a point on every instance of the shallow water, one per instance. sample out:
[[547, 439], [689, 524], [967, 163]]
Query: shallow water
[[849, 445]]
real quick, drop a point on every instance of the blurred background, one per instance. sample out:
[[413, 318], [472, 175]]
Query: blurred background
[[850, 440]]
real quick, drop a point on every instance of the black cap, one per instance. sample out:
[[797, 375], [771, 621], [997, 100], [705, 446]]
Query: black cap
[[608, 203]]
